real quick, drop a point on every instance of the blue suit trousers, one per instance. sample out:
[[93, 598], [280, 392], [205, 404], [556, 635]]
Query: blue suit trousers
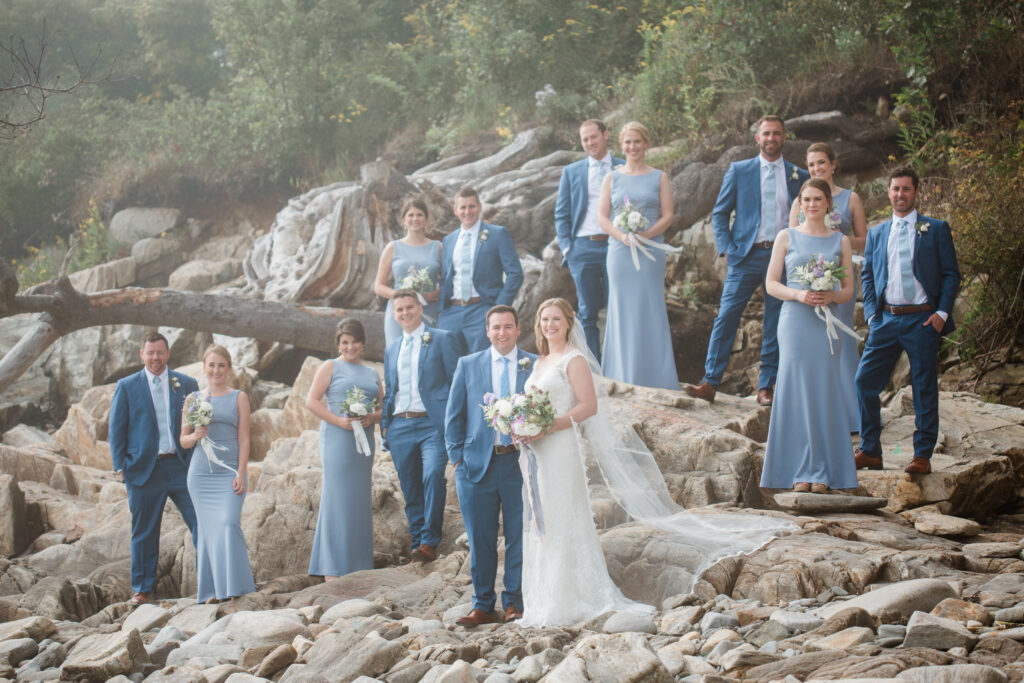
[[500, 490], [418, 452], [469, 321], [886, 339], [146, 503], [741, 281], [587, 266]]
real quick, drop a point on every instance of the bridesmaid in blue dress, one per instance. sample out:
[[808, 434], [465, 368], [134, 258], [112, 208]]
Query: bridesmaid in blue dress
[[344, 529], [848, 217], [808, 445], [637, 341], [218, 489], [415, 250]]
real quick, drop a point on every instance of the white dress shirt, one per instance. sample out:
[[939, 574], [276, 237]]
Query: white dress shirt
[[165, 386], [781, 199], [415, 402], [590, 226], [496, 376], [894, 294], [474, 236]]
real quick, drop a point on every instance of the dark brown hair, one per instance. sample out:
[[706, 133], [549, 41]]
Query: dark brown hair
[[501, 308], [351, 327], [769, 117], [818, 184], [595, 122], [154, 337], [467, 192], [825, 149], [405, 294], [414, 203], [905, 172]]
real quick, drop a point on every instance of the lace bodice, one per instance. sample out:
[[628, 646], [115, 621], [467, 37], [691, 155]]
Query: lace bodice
[[549, 374]]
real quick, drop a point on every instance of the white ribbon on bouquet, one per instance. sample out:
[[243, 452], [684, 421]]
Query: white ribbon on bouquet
[[430, 321], [209, 446], [833, 326], [362, 443], [639, 243]]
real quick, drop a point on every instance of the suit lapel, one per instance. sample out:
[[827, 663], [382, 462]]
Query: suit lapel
[[147, 396], [421, 362], [521, 372], [882, 253]]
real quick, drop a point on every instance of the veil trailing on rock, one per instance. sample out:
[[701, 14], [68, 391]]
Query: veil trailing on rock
[[635, 482]]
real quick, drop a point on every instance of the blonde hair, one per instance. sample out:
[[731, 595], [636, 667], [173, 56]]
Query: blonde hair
[[638, 127], [220, 351], [570, 317]]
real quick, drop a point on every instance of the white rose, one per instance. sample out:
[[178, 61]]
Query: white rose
[[357, 409], [504, 407], [531, 429], [635, 219], [520, 401], [503, 426], [821, 284]]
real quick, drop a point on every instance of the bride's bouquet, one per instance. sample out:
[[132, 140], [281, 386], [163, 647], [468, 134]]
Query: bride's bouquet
[[823, 276], [418, 280], [199, 413], [520, 415], [355, 406], [632, 221]]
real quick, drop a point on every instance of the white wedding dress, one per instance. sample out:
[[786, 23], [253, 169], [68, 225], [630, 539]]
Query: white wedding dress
[[565, 577]]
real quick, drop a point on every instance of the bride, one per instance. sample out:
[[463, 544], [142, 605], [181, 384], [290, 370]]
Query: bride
[[565, 578]]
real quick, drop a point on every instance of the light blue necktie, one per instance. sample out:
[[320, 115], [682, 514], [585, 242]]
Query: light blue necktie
[[161, 415], [466, 264], [506, 390], [906, 265], [770, 210], [602, 171], [405, 375]]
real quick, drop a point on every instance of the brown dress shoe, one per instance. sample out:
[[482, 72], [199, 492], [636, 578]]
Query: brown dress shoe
[[862, 460], [512, 613], [918, 466], [765, 396], [139, 599], [476, 617], [425, 553], [703, 391]]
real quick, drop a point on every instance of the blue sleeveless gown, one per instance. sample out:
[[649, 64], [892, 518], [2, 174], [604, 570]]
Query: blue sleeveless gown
[[403, 258], [637, 341], [849, 357], [344, 529], [808, 436], [222, 560]]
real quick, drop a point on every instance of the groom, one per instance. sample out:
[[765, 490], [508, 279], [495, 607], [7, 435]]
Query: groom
[[487, 476], [145, 424], [910, 280]]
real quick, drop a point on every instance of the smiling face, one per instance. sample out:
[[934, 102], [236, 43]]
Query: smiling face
[[414, 220], [594, 141], [553, 325], [349, 349], [634, 147], [154, 356], [902, 195], [467, 209], [217, 369], [819, 166], [813, 202], [407, 311], [770, 138], [503, 331]]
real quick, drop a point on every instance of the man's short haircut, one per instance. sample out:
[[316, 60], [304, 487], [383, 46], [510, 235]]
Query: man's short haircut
[[595, 122], [404, 294], [501, 308], [905, 172], [154, 337], [467, 192], [769, 117]]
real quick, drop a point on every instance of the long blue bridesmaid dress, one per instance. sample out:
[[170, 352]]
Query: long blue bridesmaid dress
[[344, 529], [404, 257], [222, 559], [637, 341], [808, 436], [849, 356]]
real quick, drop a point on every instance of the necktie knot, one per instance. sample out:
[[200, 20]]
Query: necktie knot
[[156, 381]]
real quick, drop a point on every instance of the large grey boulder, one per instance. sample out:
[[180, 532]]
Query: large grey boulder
[[937, 633], [623, 657], [132, 224], [898, 600], [204, 274], [101, 656], [13, 525]]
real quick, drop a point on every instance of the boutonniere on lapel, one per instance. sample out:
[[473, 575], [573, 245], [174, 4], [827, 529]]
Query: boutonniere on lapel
[[795, 175], [921, 227], [425, 338], [524, 364], [175, 384], [484, 234]]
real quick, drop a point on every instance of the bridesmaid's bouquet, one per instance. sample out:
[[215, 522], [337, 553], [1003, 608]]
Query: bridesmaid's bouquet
[[199, 413], [520, 415], [355, 406], [418, 280], [632, 221], [823, 276]]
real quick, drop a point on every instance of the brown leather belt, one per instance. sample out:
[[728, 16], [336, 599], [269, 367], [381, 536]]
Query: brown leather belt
[[410, 414], [906, 310], [595, 238], [764, 245], [502, 450], [164, 456], [466, 302]]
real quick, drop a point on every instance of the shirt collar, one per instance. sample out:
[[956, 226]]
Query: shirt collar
[[511, 355], [150, 375], [606, 159], [778, 163], [911, 218], [472, 229], [417, 333]]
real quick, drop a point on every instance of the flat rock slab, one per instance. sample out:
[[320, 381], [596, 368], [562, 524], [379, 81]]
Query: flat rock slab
[[896, 601], [811, 503]]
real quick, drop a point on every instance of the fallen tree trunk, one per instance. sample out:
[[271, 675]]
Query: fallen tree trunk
[[63, 309]]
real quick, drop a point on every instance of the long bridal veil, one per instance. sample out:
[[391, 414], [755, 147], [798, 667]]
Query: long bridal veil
[[634, 481]]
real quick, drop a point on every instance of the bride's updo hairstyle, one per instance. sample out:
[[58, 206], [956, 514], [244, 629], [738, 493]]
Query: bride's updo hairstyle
[[818, 184], [570, 318], [638, 127]]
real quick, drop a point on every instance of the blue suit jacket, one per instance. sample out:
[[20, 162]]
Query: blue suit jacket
[[467, 436], [436, 367], [571, 205], [935, 267], [133, 434], [741, 193], [497, 272]]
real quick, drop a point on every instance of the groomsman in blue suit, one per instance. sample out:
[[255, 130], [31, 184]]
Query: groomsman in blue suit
[[480, 269], [910, 280], [418, 371], [487, 475], [583, 243], [758, 192], [145, 425]]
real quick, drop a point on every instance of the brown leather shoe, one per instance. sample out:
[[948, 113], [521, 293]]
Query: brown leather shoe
[[425, 553], [919, 466], [139, 599], [476, 617], [512, 613], [703, 391], [765, 396], [862, 460]]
